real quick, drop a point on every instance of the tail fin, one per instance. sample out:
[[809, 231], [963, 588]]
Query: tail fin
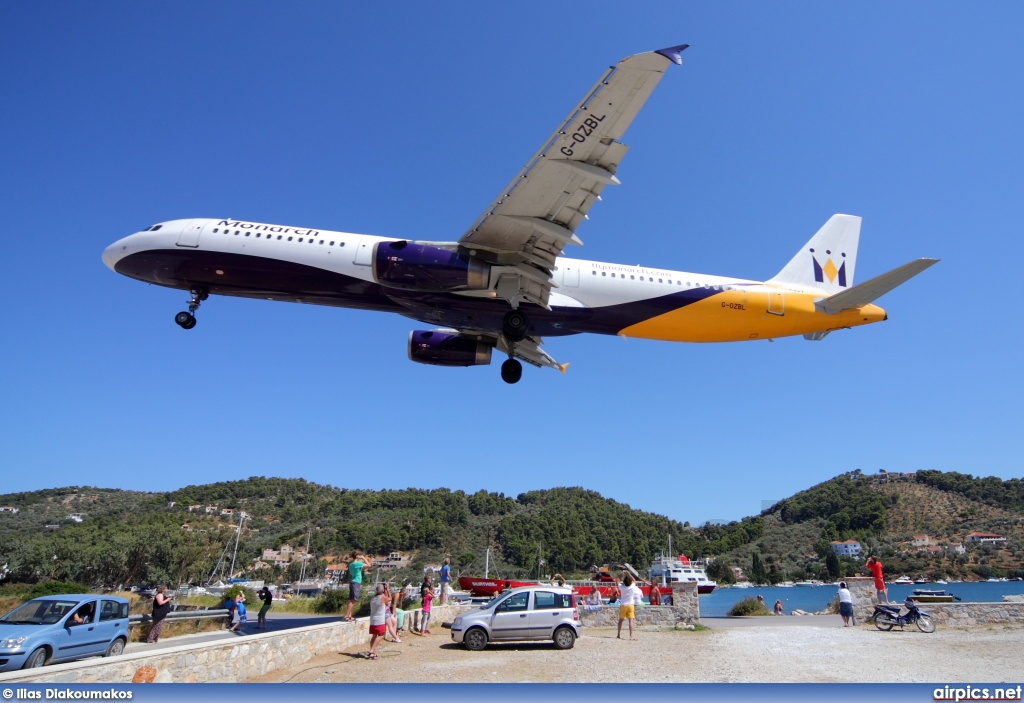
[[828, 260]]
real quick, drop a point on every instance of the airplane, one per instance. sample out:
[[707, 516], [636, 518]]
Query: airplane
[[504, 285]]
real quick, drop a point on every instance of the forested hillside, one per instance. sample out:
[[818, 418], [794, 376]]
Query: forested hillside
[[129, 536]]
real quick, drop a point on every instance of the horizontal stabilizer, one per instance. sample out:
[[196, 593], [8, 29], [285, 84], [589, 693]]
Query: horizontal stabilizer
[[869, 291]]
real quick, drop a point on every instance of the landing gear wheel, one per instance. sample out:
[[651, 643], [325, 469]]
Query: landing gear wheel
[[515, 325], [511, 371], [883, 622], [185, 320]]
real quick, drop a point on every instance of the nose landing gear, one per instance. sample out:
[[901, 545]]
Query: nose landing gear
[[515, 326], [511, 370], [187, 320]]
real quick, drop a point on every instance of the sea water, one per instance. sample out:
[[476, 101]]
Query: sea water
[[813, 599]]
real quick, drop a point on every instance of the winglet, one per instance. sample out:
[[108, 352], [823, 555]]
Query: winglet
[[563, 367], [673, 53]]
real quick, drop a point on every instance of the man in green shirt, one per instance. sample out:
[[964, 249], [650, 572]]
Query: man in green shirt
[[355, 582]]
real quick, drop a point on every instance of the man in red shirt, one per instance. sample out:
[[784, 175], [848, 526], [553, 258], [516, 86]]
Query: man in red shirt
[[875, 567]]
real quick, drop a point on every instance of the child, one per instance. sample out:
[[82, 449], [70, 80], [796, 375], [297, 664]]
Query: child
[[240, 607], [427, 593]]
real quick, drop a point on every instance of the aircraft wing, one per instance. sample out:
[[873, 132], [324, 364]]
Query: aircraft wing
[[536, 215]]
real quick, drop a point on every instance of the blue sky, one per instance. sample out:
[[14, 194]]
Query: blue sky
[[405, 120]]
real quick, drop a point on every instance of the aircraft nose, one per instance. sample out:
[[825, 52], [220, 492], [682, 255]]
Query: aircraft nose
[[113, 253]]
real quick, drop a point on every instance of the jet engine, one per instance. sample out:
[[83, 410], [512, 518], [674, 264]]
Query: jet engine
[[447, 348], [413, 266]]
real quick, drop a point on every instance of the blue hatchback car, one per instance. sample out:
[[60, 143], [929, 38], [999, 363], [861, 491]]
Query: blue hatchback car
[[55, 629]]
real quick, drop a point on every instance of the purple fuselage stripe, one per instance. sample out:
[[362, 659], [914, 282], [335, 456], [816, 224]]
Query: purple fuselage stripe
[[258, 277]]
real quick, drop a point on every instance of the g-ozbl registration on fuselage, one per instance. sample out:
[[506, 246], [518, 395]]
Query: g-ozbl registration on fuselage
[[505, 284]]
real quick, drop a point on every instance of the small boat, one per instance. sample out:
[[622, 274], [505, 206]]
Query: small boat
[[920, 581], [809, 584], [942, 581], [921, 595], [904, 581]]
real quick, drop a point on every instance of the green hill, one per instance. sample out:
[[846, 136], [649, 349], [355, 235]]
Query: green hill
[[178, 536]]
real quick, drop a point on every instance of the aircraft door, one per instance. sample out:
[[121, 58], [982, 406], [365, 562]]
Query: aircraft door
[[570, 274], [364, 251], [776, 302], [189, 236]]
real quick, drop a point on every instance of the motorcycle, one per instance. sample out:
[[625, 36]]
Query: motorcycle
[[888, 616]]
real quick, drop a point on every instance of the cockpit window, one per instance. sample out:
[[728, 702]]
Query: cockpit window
[[154, 228]]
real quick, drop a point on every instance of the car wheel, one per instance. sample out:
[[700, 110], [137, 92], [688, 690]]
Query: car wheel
[[36, 659], [564, 638], [115, 649], [475, 639]]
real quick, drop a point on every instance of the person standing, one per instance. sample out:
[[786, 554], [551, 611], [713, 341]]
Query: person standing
[[355, 583], [654, 595], [267, 597], [427, 594], [378, 619], [875, 567], [845, 604], [240, 609], [446, 577], [161, 608], [629, 597]]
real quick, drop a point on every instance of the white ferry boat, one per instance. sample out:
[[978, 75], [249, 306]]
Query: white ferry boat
[[669, 570]]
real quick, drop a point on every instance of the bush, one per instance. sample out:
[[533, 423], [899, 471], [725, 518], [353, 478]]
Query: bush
[[251, 599], [331, 602], [56, 588], [748, 606]]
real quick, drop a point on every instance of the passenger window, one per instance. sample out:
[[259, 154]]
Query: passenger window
[[593, 273], [300, 239], [604, 273], [342, 244], [112, 610], [290, 239], [215, 230], [515, 602], [545, 600], [332, 244], [631, 278]]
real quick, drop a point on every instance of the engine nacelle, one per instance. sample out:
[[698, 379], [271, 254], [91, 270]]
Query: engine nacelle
[[447, 348], [413, 266]]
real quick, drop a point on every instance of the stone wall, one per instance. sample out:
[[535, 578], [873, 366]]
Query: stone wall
[[953, 614], [220, 662], [684, 611]]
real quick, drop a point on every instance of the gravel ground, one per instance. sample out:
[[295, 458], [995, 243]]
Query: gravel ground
[[746, 654]]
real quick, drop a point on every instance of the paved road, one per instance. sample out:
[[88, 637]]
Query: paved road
[[278, 622]]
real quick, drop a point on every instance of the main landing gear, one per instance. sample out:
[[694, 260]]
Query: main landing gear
[[187, 320], [514, 326]]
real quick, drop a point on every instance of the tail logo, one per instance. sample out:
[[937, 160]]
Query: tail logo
[[829, 270]]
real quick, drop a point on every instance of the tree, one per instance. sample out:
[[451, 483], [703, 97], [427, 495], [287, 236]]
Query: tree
[[757, 570], [832, 565]]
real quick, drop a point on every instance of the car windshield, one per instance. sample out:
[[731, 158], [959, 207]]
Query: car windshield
[[39, 612]]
